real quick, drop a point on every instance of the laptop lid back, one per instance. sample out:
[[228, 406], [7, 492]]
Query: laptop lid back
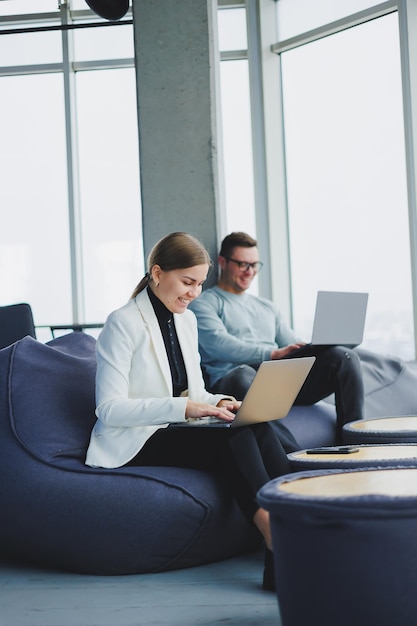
[[339, 318], [273, 390]]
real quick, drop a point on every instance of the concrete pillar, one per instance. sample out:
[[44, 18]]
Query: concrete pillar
[[176, 66]]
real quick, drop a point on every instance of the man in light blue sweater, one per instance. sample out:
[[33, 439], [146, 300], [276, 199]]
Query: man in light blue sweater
[[237, 331]]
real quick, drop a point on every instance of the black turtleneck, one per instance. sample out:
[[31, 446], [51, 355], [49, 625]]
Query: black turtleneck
[[172, 345]]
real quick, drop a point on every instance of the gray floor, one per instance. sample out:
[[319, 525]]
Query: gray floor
[[228, 592]]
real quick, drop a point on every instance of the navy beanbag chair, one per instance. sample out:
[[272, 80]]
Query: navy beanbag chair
[[58, 512]]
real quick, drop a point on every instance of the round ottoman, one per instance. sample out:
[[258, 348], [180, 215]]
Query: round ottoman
[[350, 457], [382, 430], [345, 546]]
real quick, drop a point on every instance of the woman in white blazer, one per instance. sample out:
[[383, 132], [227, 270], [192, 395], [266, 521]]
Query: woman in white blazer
[[149, 380]]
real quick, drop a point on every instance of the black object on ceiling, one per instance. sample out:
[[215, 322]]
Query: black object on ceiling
[[109, 9]]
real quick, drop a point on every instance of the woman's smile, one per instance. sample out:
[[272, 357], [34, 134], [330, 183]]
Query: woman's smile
[[169, 286]]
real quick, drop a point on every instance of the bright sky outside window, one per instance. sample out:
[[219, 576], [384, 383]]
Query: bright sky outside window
[[232, 29], [236, 127], [21, 7], [346, 179], [298, 16], [237, 145], [110, 200], [103, 43], [31, 48], [34, 242]]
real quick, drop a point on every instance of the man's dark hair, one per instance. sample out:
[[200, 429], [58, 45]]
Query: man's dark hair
[[235, 240]]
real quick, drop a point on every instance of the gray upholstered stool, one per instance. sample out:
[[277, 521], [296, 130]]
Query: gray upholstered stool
[[382, 430], [345, 546], [351, 457]]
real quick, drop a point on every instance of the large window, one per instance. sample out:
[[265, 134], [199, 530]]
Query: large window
[[240, 212], [70, 214], [34, 233], [346, 178], [236, 122], [70, 237], [238, 162], [343, 206], [109, 189]]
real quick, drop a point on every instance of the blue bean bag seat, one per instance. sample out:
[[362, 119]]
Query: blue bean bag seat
[[312, 426], [58, 512]]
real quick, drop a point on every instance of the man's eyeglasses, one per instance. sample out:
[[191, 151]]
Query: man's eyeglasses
[[243, 266]]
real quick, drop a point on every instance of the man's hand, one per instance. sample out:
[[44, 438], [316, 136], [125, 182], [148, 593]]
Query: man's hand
[[281, 353]]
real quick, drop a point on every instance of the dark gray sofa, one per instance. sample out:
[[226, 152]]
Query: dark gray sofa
[[57, 512]]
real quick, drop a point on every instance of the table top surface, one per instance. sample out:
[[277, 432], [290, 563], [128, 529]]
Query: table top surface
[[386, 452], [386, 482], [407, 422]]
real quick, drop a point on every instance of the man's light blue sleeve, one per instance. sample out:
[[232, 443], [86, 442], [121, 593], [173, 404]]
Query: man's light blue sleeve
[[284, 334], [216, 343]]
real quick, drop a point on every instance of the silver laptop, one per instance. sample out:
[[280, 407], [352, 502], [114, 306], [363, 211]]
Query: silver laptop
[[270, 396], [339, 320]]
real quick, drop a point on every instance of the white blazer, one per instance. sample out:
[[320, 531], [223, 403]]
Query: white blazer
[[133, 381]]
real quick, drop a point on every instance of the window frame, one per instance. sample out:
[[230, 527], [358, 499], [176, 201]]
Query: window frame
[[67, 21], [407, 18]]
